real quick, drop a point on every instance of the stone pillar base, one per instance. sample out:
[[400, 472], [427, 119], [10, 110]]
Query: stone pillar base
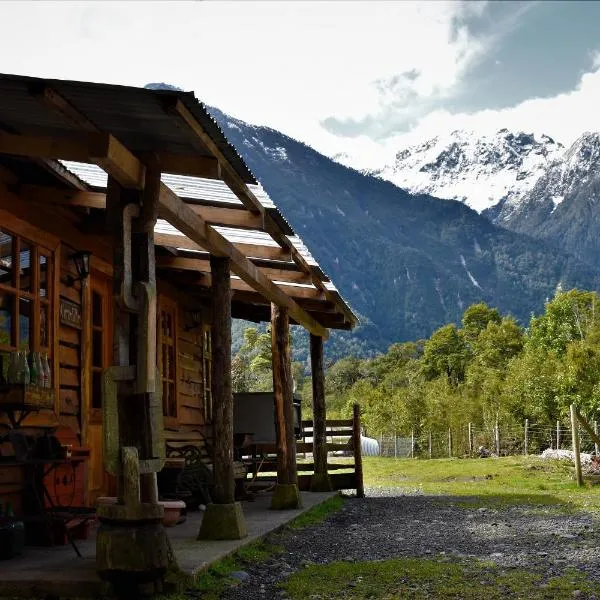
[[320, 482], [223, 522], [286, 496]]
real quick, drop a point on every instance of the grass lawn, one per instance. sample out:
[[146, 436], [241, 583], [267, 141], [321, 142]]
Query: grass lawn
[[504, 481], [421, 579]]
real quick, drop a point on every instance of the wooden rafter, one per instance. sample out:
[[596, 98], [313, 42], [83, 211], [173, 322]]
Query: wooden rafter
[[101, 148], [249, 250], [194, 227], [228, 217], [203, 265], [229, 174]]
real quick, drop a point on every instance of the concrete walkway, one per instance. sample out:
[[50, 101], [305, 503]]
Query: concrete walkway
[[58, 571]]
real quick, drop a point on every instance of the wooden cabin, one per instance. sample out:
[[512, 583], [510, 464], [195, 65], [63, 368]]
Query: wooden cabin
[[64, 148]]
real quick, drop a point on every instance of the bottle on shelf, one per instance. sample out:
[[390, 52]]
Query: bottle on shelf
[[25, 374], [34, 371], [47, 372]]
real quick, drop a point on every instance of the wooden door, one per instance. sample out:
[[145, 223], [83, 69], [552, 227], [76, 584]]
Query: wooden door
[[100, 336]]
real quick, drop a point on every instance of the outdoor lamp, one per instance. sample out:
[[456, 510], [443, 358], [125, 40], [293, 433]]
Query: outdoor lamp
[[81, 260]]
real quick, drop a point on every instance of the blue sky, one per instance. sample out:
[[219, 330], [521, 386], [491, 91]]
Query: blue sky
[[357, 77]]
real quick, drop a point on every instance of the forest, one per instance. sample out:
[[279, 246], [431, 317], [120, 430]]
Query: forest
[[488, 370]]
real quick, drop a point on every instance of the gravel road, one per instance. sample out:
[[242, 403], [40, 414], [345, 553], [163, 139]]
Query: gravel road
[[387, 525]]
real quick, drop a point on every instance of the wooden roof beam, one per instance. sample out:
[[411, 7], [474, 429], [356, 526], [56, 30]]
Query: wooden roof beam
[[227, 217], [193, 226], [229, 174], [100, 148], [203, 265], [249, 250]]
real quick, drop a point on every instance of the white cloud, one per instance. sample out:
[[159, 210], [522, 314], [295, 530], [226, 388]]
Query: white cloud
[[564, 116], [285, 64]]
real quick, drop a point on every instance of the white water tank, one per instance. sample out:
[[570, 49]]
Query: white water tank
[[369, 446]]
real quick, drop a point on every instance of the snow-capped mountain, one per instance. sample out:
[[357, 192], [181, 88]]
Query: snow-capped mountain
[[477, 170], [564, 203]]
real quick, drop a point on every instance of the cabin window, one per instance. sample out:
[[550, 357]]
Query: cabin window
[[25, 297], [207, 373], [167, 355]]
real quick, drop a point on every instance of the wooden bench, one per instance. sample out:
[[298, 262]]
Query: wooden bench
[[196, 480]]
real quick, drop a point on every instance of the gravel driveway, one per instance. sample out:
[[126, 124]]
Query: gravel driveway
[[387, 525]]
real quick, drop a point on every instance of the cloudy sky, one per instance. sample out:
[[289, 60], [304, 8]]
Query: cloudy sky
[[356, 77]]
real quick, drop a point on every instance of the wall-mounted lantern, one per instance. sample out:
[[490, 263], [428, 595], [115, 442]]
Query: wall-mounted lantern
[[81, 260]]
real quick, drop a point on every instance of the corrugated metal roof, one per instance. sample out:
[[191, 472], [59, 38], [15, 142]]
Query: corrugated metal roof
[[135, 116]]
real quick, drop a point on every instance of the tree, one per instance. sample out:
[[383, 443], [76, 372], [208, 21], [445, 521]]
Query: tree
[[476, 318], [446, 353], [569, 316]]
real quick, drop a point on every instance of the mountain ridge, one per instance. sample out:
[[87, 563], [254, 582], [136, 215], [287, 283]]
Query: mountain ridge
[[407, 263]]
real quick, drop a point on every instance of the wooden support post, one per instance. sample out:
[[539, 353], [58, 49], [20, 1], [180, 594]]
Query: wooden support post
[[224, 487], [558, 435], [286, 494], [526, 441], [395, 444], [497, 438], [320, 481], [596, 447], [357, 447], [449, 442], [470, 439], [430, 446], [575, 439], [412, 443], [224, 518]]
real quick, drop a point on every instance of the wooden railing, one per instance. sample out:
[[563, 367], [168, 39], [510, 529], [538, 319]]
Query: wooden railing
[[344, 467]]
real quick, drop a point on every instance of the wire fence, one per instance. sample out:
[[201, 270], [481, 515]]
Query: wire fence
[[469, 440]]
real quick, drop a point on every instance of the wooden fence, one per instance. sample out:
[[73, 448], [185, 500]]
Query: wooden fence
[[344, 457]]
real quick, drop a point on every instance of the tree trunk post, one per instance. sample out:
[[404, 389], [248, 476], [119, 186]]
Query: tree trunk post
[[223, 519], [558, 435], [575, 439], [320, 481], [357, 448], [497, 438], [526, 441], [449, 442], [395, 444], [595, 443], [430, 446], [470, 439], [412, 443], [287, 494]]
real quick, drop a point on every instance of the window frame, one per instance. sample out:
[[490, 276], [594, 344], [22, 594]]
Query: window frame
[[39, 247], [169, 306]]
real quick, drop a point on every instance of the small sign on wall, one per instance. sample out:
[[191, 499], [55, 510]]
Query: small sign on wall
[[70, 313]]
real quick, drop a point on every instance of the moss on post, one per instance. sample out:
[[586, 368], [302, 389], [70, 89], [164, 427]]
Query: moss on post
[[223, 522], [286, 496]]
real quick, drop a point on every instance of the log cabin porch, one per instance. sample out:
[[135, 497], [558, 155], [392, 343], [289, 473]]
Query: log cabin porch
[[180, 238]]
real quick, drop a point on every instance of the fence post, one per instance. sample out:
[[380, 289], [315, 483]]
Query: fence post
[[430, 446], [596, 432], [395, 444], [358, 469], [412, 443], [497, 436], [575, 436], [470, 439], [558, 435], [449, 442], [381, 444], [526, 447]]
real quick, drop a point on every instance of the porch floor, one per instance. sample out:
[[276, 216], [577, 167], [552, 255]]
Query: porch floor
[[58, 571]]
